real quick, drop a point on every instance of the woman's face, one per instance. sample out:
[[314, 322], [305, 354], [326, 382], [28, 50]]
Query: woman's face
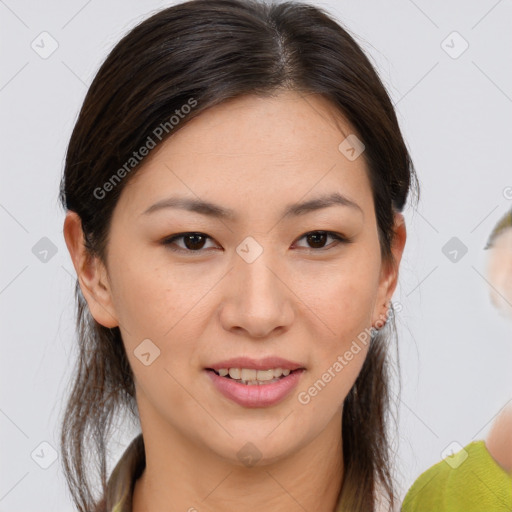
[[256, 284]]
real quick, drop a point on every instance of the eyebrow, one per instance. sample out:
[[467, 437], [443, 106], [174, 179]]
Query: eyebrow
[[213, 210]]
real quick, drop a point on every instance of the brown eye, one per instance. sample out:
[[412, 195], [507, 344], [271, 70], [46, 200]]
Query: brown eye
[[193, 242], [317, 239]]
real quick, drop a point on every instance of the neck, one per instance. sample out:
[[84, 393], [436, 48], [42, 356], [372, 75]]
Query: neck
[[183, 476]]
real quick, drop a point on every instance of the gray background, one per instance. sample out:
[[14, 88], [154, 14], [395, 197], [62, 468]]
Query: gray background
[[455, 113]]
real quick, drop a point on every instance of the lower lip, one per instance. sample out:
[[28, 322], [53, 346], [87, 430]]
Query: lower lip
[[257, 395]]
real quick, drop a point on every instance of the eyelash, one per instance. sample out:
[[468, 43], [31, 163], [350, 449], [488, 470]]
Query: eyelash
[[169, 240]]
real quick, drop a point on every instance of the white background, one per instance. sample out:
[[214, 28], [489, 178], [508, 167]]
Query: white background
[[455, 113]]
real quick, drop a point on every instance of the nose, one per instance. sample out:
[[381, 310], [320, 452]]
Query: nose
[[257, 299]]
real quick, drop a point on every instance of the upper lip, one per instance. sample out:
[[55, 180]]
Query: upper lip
[[256, 364]]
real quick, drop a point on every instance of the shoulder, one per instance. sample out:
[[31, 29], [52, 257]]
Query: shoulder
[[468, 481]]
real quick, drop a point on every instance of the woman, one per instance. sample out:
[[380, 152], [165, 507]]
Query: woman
[[255, 109], [234, 187]]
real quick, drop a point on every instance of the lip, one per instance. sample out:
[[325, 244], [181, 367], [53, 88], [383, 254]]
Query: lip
[[258, 395], [257, 364]]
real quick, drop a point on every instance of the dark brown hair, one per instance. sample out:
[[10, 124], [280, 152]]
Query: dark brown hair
[[203, 52]]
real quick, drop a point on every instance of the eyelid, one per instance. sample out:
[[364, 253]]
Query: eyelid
[[339, 237], [170, 240]]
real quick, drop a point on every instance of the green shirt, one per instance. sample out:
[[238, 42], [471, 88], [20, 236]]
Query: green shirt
[[469, 481]]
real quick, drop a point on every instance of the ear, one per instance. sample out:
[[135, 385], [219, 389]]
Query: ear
[[92, 274], [389, 272]]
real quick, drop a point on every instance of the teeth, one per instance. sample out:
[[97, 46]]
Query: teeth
[[264, 375], [246, 374], [234, 373], [253, 376]]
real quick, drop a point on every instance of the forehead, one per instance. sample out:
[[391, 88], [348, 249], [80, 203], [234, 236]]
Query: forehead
[[288, 124], [255, 150]]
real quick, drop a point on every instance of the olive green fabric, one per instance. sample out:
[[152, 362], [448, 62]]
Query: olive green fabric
[[468, 481]]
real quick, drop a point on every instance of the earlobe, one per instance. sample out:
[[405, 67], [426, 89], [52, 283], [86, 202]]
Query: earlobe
[[91, 273]]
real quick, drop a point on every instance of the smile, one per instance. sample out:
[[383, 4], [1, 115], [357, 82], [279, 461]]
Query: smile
[[255, 388], [253, 377]]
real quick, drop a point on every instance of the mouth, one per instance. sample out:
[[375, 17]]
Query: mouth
[[251, 377], [255, 388]]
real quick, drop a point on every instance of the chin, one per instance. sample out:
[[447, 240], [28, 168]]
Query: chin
[[248, 449]]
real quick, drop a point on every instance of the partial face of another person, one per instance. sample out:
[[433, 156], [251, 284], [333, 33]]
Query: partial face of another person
[[499, 272], [242, 279]]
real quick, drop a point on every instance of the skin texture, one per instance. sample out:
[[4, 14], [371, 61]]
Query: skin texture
[[254, 155], [499, 275], [499, 439]]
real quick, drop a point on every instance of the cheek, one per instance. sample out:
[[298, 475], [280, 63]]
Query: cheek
[[341, 294], [151, 297], [341, 302], [326, 389]]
